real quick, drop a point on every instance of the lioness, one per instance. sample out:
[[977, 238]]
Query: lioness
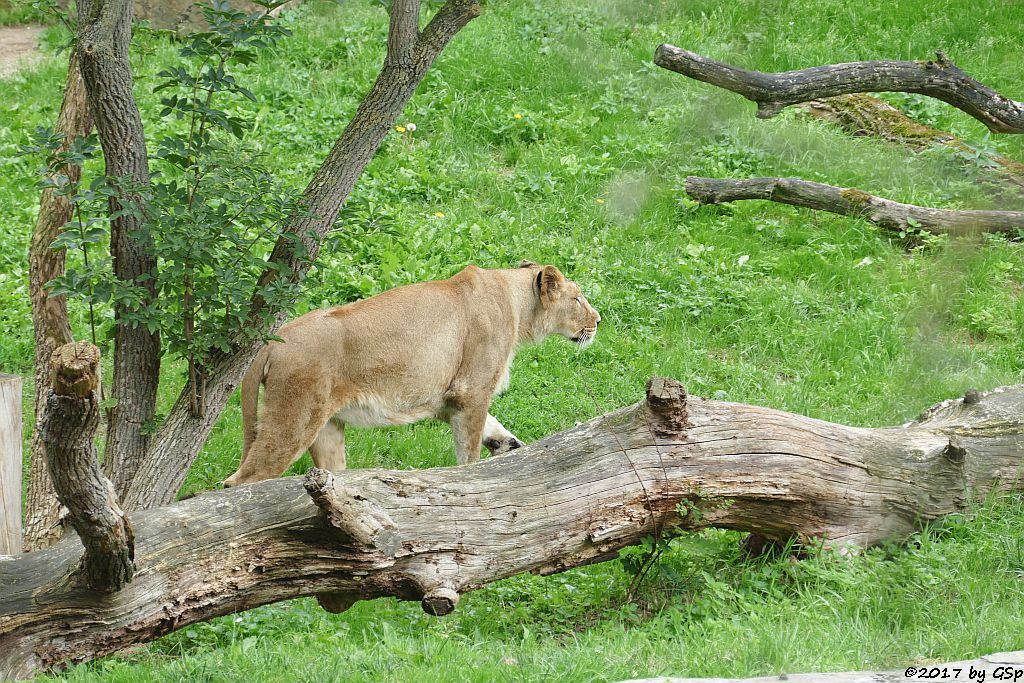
[[434, 349]]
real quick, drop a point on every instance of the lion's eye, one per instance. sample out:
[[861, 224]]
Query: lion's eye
[[579, 301]]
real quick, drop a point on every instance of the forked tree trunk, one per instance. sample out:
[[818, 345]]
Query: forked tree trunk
[[410, 54], [577, 497], [50, 313]]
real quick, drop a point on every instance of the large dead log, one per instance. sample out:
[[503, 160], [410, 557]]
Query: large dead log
[[849, 201], [577, 497], [773, 92]]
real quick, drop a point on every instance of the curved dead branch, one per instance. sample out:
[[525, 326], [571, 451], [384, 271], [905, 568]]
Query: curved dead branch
[[772, 92], [853, 202]]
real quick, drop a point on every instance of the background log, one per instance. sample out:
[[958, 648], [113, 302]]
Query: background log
[[773, 92], [10, 465], [849, 201], [68, 429], [579, 497], [864, 115]]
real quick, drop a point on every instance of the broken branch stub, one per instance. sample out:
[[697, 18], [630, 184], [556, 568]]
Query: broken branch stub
[[772, 92], [68, 428]]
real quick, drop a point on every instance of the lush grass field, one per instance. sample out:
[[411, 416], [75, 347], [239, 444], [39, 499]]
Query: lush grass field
[[545, 132]]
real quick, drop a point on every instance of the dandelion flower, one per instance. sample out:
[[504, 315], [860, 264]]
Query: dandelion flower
[[517, 116], [400, 129], [439, 214], [411, 127]]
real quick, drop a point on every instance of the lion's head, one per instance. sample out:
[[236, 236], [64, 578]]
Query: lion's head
[[563, 308]]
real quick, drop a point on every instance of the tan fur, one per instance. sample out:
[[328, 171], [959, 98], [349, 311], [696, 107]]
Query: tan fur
[[430, 350]]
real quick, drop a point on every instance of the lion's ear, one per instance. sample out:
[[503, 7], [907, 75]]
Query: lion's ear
[[549, 279], [526, 264]]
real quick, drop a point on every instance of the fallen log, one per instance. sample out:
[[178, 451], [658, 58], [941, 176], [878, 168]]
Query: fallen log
[[866, 116], [773, 92], [849, 201], [671, 461]]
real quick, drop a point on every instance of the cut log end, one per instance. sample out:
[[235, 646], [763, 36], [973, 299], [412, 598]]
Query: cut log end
[[440, 601], [76, 369]]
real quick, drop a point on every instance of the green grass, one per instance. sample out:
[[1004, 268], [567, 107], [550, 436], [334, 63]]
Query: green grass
[[827, 316]]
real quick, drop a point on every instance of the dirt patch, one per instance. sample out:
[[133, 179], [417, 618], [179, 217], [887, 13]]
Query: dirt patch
[[19, 47]]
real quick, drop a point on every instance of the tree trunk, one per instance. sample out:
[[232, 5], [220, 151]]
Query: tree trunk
[[668, 462], [853, 202], [410, 55], [104, 36], [773, 92], [50, 313]]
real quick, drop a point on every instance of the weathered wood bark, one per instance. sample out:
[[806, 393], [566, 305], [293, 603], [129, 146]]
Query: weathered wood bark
[[853, 202], [864, 115], [410, 54], [10, 465], [579, 497], [773, 92], [50, 313], [104, 36], [1000, 666], [68, 428]]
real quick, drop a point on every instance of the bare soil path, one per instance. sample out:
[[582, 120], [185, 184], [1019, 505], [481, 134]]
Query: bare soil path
[[19, 46]]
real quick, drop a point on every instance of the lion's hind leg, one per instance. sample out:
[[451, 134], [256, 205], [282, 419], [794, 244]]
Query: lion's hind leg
[[328, 449], [286, 429]]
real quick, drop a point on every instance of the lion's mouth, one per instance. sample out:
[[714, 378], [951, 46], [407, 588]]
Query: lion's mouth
[[584, 336]]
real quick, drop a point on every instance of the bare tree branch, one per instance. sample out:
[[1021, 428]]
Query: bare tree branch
[[669, 461], [772, 92], [853, 202]]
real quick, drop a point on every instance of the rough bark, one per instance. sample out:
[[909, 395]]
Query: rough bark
[[410, 55], [50, 313], [670, 461], [853, 202], [1000, 666], [864, 115], [68, 428], [104, 36], [772, 92]]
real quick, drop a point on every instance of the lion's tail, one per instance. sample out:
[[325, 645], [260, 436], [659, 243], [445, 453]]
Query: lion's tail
[[250, 397]]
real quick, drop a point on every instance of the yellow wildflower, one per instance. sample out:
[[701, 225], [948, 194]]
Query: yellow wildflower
[[400, 129], [517, 116], [599, 201], [439, 214]]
